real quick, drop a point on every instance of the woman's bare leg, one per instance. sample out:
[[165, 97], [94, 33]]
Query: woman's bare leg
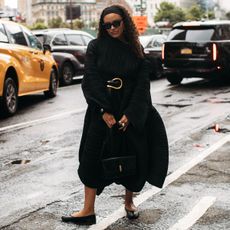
[[88, 209], [129, 205]]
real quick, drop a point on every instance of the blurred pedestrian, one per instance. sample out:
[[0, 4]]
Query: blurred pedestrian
[[117, 89]]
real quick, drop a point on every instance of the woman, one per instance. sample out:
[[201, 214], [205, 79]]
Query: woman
[[126, 107]]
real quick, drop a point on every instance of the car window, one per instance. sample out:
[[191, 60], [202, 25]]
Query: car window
[[87, 39], [59, 40], [40, 38], [144, 40], [16, 34], [3, 36], [47, 38], [158, 42], [33, 41], [225, 32], [75, 39], [192, 35]]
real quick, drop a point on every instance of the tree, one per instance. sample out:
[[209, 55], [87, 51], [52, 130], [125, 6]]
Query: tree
[[195, 13], [78, 24], [169, 12], [39, 25], [93, 24], [55, 22], [211, 15]]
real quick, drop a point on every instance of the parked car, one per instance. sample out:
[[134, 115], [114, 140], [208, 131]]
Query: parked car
[[197, 49], [68, 67], [152, 45], [69, 41], [26, 67]]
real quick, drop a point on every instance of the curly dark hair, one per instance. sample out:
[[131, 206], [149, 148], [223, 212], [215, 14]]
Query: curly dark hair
[[130, 31]]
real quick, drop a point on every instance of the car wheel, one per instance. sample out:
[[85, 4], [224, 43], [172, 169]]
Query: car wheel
[[52, 92], [174, 79], [9, 100], [67, 74]]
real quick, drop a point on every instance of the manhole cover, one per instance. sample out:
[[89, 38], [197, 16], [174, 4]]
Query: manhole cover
[[20, 162]]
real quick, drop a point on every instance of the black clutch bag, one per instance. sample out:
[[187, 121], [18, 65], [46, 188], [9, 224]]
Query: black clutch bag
[[118, 167], [117, 161]]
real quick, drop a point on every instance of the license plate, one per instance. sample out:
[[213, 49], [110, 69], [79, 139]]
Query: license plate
[[186, 51]]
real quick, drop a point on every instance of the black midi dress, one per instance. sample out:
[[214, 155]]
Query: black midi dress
[[145, 137]]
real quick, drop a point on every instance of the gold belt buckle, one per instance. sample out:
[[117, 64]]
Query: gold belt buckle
[[113, 81]]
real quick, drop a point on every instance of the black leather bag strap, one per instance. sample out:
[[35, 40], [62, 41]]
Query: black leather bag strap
[[118, 141]]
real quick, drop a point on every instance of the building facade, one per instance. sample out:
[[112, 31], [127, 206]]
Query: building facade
[[90, 10], [101, 4], [25, 10], [223, 5], [2, 3], [46, 10]]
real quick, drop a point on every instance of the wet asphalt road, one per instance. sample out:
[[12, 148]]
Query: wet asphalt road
[[47, 133]]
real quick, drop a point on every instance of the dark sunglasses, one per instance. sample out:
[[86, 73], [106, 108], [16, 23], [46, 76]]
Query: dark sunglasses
[[109, 25]]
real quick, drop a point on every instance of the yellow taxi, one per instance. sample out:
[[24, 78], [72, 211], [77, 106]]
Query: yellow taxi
[[26, 66]]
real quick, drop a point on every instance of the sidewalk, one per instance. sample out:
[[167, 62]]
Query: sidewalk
[[209, 181]]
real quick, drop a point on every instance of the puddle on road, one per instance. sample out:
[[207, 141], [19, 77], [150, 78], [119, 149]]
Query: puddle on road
[[20, 162], [174, 105], [195, 118], [169, 95]]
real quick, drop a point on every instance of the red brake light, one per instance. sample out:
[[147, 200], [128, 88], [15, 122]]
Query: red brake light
[[163, 52], [214, 52]]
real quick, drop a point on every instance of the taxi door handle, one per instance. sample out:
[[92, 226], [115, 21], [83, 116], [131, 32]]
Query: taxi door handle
[[33, 52]]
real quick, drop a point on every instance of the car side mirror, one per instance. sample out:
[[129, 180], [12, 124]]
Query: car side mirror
[[46, 47]]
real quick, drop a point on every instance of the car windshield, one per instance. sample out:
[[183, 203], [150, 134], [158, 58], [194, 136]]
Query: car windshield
[[3, 37], [192, 35]]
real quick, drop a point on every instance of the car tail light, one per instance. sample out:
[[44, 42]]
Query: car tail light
[[163, 52], [214, 52]]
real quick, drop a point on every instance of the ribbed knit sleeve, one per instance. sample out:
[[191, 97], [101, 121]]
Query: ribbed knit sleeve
[[138, 106], [93, 86]]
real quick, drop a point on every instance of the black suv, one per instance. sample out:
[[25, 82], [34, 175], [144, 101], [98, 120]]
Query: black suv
[[197, 49]]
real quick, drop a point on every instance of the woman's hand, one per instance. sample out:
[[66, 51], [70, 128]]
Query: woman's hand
[[124, 122], [109, 119]]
